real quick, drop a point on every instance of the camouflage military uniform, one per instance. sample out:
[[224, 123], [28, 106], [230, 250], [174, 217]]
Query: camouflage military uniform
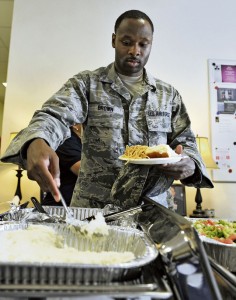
[[113, 119]]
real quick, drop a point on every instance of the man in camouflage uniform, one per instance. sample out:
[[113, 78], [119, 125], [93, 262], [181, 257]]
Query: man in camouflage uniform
[[118, 105]]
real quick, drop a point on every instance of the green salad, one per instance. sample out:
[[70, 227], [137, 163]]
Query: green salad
[[221, 230]]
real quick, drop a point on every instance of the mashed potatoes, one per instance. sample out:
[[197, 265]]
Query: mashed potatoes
[[96, 227], [39, 243]]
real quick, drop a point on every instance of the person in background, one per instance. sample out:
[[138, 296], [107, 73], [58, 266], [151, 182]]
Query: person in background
[[120, 104], [170, 198], [69, 154]]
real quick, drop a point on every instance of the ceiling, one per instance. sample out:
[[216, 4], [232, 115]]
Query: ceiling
[[6, 10]]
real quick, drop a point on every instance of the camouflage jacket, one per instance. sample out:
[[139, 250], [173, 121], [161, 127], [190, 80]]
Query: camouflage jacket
[[111, 120]]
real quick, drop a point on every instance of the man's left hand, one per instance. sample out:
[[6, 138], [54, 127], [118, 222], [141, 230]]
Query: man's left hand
[[181, 169]]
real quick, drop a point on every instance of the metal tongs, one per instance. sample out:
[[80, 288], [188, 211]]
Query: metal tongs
[[108, 217], [125, 213]]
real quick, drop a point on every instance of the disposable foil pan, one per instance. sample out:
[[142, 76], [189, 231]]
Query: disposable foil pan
[[83, 213], [223, 254], [119, 239], [78, 213], [32, 215]]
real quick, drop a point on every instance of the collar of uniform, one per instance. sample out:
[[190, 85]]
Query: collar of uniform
[[110, 75], [149, 80]]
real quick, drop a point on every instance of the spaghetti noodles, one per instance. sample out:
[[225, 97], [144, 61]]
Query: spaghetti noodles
[[135, 152]]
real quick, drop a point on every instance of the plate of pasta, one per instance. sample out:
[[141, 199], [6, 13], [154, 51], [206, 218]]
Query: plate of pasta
[[155, 155], [152, 161]]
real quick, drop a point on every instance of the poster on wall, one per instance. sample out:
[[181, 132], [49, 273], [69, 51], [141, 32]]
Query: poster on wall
[[222, 89]]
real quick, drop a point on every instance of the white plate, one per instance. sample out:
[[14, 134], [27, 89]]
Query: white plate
[[153, 161]]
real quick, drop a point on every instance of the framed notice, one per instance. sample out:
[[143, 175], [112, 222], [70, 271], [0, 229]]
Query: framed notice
[[222, 89]]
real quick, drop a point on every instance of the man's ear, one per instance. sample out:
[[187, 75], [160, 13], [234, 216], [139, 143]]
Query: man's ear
[[113, 40]]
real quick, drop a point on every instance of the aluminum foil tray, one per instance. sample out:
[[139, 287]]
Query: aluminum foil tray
[[78, 213], [33, 216], [223, 254], [83, 213], [119, 239]]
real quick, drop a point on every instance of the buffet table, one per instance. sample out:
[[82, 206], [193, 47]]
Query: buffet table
[[181, 270]]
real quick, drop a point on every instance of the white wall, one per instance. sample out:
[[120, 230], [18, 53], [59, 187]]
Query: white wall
[[53, 40]]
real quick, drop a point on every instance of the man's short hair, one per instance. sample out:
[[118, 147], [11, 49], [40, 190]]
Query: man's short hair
[[133, 14]]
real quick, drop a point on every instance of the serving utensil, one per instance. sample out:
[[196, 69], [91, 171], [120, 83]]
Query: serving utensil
[[69, 219], [68, 211], [125, 213], [38, 206]]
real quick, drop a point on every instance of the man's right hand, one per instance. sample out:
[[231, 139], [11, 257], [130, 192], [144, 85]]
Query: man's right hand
[[43, 167]]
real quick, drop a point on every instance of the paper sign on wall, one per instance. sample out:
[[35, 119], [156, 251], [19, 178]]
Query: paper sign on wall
[[222, 88]]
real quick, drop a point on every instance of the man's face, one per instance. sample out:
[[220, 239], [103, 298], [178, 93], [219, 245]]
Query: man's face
[[132, 43]]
